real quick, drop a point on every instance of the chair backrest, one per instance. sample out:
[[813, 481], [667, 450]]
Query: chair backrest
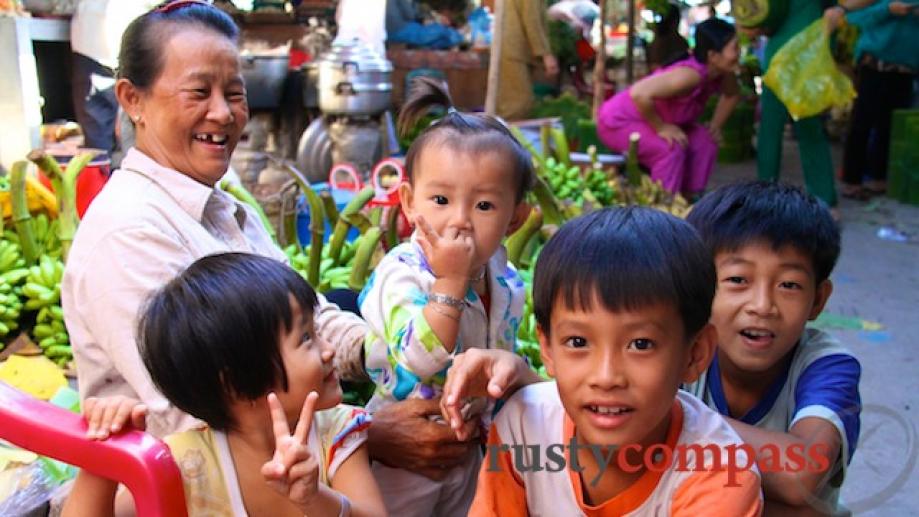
[[133, 458]]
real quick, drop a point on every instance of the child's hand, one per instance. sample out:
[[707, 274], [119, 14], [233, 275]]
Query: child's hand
[[481, 372], [293, 471], [449, 255], [672, 134], [108, 415]]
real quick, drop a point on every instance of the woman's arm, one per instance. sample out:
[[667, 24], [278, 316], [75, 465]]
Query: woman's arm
[[672, 83], [730, 97]]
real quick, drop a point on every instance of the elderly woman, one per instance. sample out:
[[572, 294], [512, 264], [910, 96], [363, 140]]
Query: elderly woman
[[179, 82]]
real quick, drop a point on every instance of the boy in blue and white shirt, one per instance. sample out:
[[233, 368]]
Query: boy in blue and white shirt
[[790, 392]]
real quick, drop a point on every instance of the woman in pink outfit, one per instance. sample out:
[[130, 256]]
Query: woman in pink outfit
[[664, 107]]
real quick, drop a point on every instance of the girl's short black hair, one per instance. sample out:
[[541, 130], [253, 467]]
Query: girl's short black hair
[[212, 334], [467, 132], [777, 214], [140, 59], [712, 35], [629, 258]]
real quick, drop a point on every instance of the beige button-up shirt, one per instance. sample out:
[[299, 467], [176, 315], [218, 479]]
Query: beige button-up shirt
[[148, 224]]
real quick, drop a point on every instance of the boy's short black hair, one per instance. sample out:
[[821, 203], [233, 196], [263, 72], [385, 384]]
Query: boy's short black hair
[[212, 334], [630, 257], [778, 214]]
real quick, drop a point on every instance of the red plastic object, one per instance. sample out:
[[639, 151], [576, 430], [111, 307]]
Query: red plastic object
[[133, 458], [90, 182], [386, 197]]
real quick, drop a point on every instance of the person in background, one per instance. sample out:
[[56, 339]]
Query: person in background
[[179, 82], [403, 25], [668, 46], [95, 38], [816, 162], [664, 108], [887, 54], [524, 39]]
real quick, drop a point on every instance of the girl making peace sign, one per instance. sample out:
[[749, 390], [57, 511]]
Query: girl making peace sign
[[232, 342]]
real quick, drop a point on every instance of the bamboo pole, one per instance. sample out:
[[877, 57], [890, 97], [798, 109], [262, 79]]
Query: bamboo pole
[[600, 63], [494, 59]]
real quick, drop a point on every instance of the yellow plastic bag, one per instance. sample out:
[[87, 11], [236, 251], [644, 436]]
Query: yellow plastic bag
[[804, 76]]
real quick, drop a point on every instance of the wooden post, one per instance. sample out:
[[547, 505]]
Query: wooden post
[[630, 46], [600, 63], [494, 59]]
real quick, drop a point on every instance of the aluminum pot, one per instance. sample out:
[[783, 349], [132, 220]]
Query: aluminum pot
[[264, 77], [354, 80]]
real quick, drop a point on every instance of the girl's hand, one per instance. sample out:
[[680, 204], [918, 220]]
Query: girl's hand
[[293, 471], [449, 255], [108, 415], [671, 133]]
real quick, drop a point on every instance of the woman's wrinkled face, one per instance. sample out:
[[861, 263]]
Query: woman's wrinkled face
[[192, 116]]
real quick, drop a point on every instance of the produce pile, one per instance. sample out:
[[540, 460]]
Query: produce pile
[[33, 251]]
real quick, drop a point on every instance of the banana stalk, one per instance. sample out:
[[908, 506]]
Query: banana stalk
[[331, 211], [317, 236], [518, 240], [562, 152], [65, 189], [244, 196], [376, 216], [368, 244], [550, 211], [527, 145], [545, 132], [346, 218], [22, 220]]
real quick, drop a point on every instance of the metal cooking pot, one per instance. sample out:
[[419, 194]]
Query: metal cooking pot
[[264, 77], [354, 80]]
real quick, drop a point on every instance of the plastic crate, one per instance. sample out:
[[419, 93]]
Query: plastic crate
[[903, 168], [341, 198]]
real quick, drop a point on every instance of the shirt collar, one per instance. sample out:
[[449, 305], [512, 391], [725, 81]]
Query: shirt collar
[[189, 194]]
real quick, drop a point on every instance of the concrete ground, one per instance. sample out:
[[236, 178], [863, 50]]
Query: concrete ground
[[874, 310]]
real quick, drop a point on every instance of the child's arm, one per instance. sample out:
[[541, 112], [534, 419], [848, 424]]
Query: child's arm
[[354, 480], [813, 441], [96, 495], [823, 432], [482, 372], [450, 257]]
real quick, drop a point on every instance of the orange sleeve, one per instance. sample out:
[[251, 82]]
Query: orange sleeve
[[499, 492], [707, 493]]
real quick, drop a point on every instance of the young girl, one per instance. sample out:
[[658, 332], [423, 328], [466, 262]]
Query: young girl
[[664, 107], [450, 288], [232, 342]]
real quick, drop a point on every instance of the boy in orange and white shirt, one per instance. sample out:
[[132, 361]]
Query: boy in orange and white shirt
[[622, 298]]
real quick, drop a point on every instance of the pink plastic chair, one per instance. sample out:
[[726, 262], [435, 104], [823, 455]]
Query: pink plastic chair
[[134, 458]]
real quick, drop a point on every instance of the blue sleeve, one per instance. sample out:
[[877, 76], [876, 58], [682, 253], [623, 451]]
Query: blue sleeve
[[828, 388], [871, 15]]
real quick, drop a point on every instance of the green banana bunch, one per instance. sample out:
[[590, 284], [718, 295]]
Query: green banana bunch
[[330, 275], [43, 293], [45, 231], [12, 273]]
